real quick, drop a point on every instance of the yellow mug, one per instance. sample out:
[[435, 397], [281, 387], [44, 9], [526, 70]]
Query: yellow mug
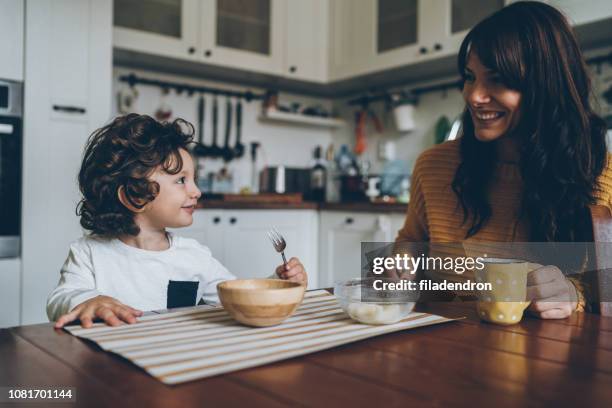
[[507, 299]]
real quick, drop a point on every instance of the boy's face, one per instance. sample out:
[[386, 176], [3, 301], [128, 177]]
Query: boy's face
[[178, 195]]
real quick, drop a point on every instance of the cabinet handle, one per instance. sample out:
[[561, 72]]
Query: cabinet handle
[[191, 50], [437, 46], [207, 53], [69, 109], [423, 50], [292, 69], [349, 220], [233, 220], [216, 220]]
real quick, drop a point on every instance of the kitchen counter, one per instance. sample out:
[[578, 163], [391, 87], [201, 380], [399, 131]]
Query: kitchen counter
[[365, 207], [246, 205], [356, 207]]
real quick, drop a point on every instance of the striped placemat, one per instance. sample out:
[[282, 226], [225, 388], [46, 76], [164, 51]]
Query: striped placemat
[[191, 344]]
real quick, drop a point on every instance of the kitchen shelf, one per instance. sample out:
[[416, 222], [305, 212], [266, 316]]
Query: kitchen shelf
[[273, 115]]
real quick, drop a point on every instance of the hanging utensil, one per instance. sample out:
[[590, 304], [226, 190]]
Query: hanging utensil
[[200, 148], [215, 149], [254, 147], [164, 111], [238, 147], [360, 137], [228, 152]]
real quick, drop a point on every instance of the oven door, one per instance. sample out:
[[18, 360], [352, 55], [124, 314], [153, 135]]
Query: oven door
[[10, 186]]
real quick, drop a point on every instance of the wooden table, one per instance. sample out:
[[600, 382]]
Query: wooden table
[[464, 363]]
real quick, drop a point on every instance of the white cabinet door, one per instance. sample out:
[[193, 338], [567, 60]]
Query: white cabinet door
[[399, 30], [166, 28], [11, 39], [248, 251], [10, 271], [245, 35], [67, 96], [238, 239], [352, 37], [207, 229], [453, 19], [307, 40], [340, 238]]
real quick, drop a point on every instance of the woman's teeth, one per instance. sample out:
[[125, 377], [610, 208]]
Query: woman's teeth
[[488, 116]]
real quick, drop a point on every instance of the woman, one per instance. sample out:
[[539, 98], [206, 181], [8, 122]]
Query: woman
[[532, 156]]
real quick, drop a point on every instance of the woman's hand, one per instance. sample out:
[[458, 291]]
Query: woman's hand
[[294, 272], [106, 308], [552, 295]]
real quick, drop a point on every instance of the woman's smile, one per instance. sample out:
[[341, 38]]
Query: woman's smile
[[487, 118]]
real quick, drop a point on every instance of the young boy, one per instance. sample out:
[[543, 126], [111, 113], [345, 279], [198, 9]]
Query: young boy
[[137, 179]]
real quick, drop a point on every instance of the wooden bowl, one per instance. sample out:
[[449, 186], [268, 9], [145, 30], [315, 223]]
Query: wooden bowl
[[260, 302]]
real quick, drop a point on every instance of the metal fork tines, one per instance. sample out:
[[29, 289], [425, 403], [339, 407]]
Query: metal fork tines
[[279, 243]]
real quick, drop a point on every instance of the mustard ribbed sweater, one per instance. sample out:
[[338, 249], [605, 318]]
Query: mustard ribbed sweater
[[435, 216]]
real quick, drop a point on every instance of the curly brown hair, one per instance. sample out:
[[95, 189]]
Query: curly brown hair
[[125, 153]]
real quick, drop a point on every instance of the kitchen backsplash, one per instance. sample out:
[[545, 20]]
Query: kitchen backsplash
[[281, 144], [292, 145]]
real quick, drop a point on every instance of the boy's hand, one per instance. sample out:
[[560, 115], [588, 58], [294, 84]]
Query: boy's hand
[[294, 272], [106, 308]]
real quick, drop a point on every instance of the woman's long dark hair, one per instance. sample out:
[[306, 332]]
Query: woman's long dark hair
[[562, 141]]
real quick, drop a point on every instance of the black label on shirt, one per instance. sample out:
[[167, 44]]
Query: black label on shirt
[[182, 293]]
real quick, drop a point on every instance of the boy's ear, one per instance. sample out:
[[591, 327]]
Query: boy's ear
[[126, 203]]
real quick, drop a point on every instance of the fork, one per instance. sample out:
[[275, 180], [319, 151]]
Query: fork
[[279, 243]]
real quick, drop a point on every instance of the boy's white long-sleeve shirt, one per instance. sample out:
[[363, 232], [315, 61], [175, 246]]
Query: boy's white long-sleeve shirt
[[136, 277]]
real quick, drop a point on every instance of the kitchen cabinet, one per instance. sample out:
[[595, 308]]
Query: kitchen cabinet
[[11, 39], [340, 237], [10, 288], [452, 20], [307, 47], [244, 34], [67, 96], [238, 239], [351, 34], [167, 28], [231, 33], [385, 34]]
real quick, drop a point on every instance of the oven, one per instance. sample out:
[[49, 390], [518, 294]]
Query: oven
[[11, 124]]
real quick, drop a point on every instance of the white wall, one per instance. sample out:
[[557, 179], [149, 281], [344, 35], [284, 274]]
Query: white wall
[[409, 145], [290, 145]]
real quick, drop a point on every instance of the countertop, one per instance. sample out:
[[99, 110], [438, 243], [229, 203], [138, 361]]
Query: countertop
[[306, 205]]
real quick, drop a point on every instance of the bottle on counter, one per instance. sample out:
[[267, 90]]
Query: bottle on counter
[[332, 184], [318, 176]]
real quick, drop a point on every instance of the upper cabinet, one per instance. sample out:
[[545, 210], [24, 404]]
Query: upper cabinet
[[311, 40], [351, 42], [307, 47], [277, 37], [12, 39], [453, 21], [385, 34], [161, 27], [244, 33]]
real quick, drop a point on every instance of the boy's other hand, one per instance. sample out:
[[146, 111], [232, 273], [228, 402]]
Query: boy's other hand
[[106, 308], [294, 272]]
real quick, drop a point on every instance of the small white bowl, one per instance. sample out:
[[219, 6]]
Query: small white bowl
[[362, 303]]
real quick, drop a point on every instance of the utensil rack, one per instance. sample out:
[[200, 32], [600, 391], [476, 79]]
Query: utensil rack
[[365, 100], [178, 87]]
